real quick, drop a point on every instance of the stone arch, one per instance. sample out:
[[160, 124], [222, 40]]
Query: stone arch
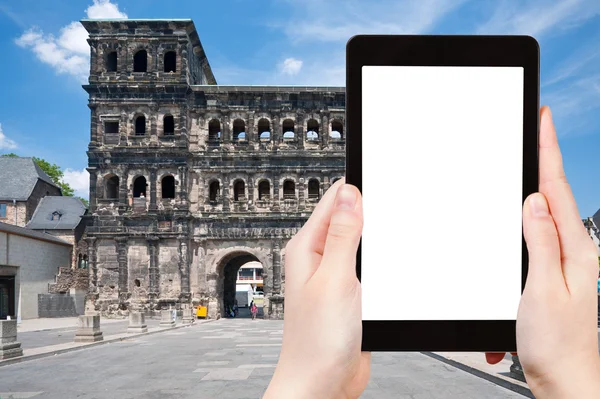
[[111, 186], [140, 61], [214, 189], [226, 265], [167, 186]]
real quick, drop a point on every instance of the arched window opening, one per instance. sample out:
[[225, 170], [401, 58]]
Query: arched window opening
[[288, 129], [313, 188], [264, 128], [80, 261], [170, 61], [140, 61], [264, 190], [312, 130], [239, 130], [139, 187], [337, 129], [167, 187], [137, 282], [140, 126], [168, 125], [85, 262], [289, 189], [239, 191], [112, 187], [214, 191], [111, 62], [214, 130]]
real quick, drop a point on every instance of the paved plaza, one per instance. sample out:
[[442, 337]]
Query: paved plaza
[[228, 358]]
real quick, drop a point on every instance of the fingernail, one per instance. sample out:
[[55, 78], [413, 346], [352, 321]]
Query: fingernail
[[346, 198], [539, 206]]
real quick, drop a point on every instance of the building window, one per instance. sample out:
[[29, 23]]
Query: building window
[[312, 130], [2, 210], [239, 130], [264, 190], [167, 187], [111, 62], [170, 61], [313, 188], [214, 130], [289, 190], [140, 61], [112, 187], [337, 129], [111, 127], [264, 129], [239, 191], [140, 126], [139, 187], [214, 189], [82, 262], [55, 216], [168, 125], [288, 129]]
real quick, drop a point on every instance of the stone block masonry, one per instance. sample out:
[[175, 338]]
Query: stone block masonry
[[137, 323], [9, 347], [88, 329], [167, 318]]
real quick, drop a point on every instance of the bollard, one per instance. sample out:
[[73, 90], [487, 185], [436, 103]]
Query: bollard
[[9, 347], [188, 316], [166, 318], [137, 323], [89, 329]]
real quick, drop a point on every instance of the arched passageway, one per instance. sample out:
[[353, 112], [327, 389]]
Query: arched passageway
[[242, 281]]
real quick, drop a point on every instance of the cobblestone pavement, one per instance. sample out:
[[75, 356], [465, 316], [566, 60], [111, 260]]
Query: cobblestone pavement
[[231, 358]]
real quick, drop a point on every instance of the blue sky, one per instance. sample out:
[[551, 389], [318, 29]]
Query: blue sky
[[43, 109]]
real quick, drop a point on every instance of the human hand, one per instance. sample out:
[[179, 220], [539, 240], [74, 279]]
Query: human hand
[[321, 350], [557, 339]]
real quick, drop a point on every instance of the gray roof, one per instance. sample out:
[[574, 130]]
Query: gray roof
[[21, 231], [596, 219], [69, 209], [18, 177]]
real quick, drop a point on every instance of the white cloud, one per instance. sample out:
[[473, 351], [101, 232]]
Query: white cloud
[[538, 17], [291, 66], [332, 21], [5, 142], [79, 180], [69, 52]]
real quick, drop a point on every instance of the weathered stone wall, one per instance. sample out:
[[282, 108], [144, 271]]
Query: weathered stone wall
[[138, 261], [68, 278], [21, 217], [40, 190], [168, 263], [108, 269]]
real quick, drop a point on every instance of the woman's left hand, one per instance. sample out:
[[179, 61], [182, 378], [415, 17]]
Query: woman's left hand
[[321, 351]]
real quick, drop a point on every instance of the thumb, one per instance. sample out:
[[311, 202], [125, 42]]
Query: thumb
[[541, 236], [343, 234]]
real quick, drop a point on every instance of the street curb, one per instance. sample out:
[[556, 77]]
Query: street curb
[[26, 358], [482, 374]]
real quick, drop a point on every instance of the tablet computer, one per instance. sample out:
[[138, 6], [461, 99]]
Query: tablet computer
[[443, 144]]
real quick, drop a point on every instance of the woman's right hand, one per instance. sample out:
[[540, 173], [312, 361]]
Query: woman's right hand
[[557, 339]]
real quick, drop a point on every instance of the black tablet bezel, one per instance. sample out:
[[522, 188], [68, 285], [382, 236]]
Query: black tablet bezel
[[409, 50]]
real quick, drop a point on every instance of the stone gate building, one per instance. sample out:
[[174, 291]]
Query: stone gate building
[[189, 180]]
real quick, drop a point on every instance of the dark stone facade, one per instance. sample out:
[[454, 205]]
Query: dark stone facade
[[189, 178]]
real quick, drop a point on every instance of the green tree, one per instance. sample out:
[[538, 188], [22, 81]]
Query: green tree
[[55, 173]]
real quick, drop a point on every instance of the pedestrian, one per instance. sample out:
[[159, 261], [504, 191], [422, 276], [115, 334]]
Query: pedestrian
[[235, 308], [557, 340], [253, 310]]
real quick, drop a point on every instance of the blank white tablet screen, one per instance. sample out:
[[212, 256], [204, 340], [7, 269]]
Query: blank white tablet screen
[[442, 151]]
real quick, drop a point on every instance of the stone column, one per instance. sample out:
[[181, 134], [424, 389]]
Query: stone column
[[324, 131], [250, 129], [153, 270], [153, 206], [202, 282], [153, 125], [183, 171], [326, 183], [184, 268], [276, 131], [276, 193], [252, 206], [95, 137], [202, 197], [9, 347], [301, 197], [92, 266], [123, 188], [123, 124], [226, 201], [93, 182], [226, 130], [121, 243], [300, 131], [276, 252], [183, 122]]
